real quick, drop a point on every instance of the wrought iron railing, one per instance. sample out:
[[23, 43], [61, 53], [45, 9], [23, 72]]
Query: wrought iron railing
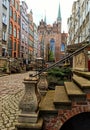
[[63, 59]]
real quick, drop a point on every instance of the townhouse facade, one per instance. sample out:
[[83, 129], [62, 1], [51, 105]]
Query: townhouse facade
[[31, 36], [79, 34], [14, 29], [36, 43], [23, 39], [4, 26], [79, 22], [24, 32]]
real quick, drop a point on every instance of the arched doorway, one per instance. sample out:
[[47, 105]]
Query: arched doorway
[[78, 122]]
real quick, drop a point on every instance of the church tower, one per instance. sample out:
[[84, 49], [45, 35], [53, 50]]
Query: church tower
[[50, 39], [59, 19], [59, 15]]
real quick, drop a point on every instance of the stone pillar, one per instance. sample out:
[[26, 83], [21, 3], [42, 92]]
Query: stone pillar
[[8, 66], [43, 84], [29, 117]]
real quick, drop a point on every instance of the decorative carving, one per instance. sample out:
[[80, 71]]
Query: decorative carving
[[43, 84], [31, 98], [80, 61]]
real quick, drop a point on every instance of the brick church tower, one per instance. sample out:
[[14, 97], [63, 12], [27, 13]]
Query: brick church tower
[[52, 48]]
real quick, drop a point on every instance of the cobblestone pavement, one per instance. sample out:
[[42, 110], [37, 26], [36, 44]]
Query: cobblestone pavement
[[11, 92]]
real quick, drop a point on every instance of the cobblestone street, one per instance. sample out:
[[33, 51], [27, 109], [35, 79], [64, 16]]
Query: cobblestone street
[[11, 92]]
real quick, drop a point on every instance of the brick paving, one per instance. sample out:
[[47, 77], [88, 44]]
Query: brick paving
[[11, 92]]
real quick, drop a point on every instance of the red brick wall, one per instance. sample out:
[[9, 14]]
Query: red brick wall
[[55, 122]]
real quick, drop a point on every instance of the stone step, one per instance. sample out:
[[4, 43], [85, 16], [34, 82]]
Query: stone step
[[46, 105], [74, 92], [82, 82], [82, 73], [61, 99]]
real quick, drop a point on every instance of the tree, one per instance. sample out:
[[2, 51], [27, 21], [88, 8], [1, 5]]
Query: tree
[[51, 56]]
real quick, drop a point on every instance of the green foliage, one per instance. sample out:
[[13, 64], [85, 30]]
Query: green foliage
[[59, 72], [51, 56], [52, 79], [57, 76]]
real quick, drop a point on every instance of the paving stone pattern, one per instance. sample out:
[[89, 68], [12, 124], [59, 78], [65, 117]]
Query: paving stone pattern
[[11, 92]]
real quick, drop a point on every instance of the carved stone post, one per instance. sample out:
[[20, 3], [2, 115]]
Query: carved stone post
[[29, 106], [43, 84], [8, 66]]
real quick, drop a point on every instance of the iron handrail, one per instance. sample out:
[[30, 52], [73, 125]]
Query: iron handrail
[[62, 60]]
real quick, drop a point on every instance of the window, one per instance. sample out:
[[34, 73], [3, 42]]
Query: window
[[19, 20], [10, 44], [10, 47], [15, 32], [13, 2], [18, 34], [23, 26], [5, 3], [18, 49], [52, 45], [4, 19], [15, 16], [14, 46], [11, 28], [11, 12], [62, 47], [23, 39], [3, 52], [4, 36], [17, 6]]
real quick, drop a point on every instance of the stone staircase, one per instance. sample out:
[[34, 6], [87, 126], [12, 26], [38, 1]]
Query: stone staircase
[[77, 90]]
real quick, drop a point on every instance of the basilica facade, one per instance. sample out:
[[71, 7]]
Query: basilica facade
[[52, 41]]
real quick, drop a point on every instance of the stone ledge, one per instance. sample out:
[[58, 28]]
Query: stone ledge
[[46, 104], [30, 126], [82, 73], [61, 99], [28, 118], [82, 82], [74, 92]]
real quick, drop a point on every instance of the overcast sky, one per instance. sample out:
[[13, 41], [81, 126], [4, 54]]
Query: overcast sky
[[40, 8]]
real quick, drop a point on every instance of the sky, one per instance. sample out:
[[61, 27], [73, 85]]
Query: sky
[[49, 8]]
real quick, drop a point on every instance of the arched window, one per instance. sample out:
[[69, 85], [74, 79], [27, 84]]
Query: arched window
[[52, 45], [62, 47], [52, 50]]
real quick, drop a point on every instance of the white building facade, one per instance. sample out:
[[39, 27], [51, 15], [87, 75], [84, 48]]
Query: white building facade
[[4, 26], [36, 42], [79, 22], [24, 32]]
